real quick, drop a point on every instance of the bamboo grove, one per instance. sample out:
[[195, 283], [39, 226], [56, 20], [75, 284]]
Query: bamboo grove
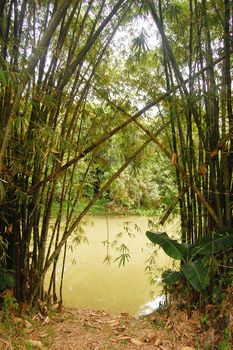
[[58, 118]]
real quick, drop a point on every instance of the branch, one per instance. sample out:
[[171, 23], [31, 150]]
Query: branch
[[108, 135], [82, 54], [69, 231], [28, 72]]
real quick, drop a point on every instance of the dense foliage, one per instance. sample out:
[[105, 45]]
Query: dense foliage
[[91, 94], [202, 278]]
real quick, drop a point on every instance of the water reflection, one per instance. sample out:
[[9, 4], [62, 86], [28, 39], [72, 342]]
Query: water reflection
[[152, 305], [90, 283]]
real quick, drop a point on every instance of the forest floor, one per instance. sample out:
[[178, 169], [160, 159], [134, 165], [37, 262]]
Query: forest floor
[[83, 329]]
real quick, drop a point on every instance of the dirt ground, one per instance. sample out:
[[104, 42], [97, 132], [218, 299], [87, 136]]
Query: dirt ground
[[98, 330]]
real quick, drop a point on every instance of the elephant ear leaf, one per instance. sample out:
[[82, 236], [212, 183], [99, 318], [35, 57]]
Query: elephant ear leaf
[[197, 274], [170, 246]]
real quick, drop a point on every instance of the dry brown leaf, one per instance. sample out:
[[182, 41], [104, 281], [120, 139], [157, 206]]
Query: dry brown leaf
[[43, 335], [194, 322], [123, 337], [55, 306], [151, 335], [27, 324], [114, 323], [162, 347], [99, 321], [202, 170], [9, 229], [187, 348], [187, 335], [157, 342], [136, 342], [113, 340], [214, 153], [38, 317], [174, 158], [120, 329], [46, 320], [5, 343]]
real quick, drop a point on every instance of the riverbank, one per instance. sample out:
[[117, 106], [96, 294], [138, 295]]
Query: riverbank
[[106, 207], [84, 329]]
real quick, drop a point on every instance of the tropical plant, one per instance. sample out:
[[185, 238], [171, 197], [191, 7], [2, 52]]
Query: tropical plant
[[195, 258]]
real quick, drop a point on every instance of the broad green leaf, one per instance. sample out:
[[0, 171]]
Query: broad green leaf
[[170, 246], [189, 249], [171, 277], [213, 244], [197, 274]]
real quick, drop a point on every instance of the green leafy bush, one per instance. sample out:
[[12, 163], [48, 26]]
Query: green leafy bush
[[6, 278], [195, 258]]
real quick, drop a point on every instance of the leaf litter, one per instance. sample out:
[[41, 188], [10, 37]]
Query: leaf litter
[[83, 329]]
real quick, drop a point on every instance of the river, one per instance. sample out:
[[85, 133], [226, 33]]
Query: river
[[90, 283]]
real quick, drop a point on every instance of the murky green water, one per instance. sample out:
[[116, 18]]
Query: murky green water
[[90, 283]]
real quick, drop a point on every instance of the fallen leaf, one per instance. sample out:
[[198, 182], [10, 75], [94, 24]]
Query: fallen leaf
[[8, 344], [55, 306], [60, 319], [151, 335], [43, 335], [123, 337], [157, 342], [114, 323], [46, 320], [113, 340], [136, 342], [27, 324], [162, 347], [187, 348], [120, 329], [38, 317]]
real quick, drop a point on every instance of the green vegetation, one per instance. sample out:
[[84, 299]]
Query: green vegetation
[[114, 106], [6, 278], [201, 265], [9, 307]]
